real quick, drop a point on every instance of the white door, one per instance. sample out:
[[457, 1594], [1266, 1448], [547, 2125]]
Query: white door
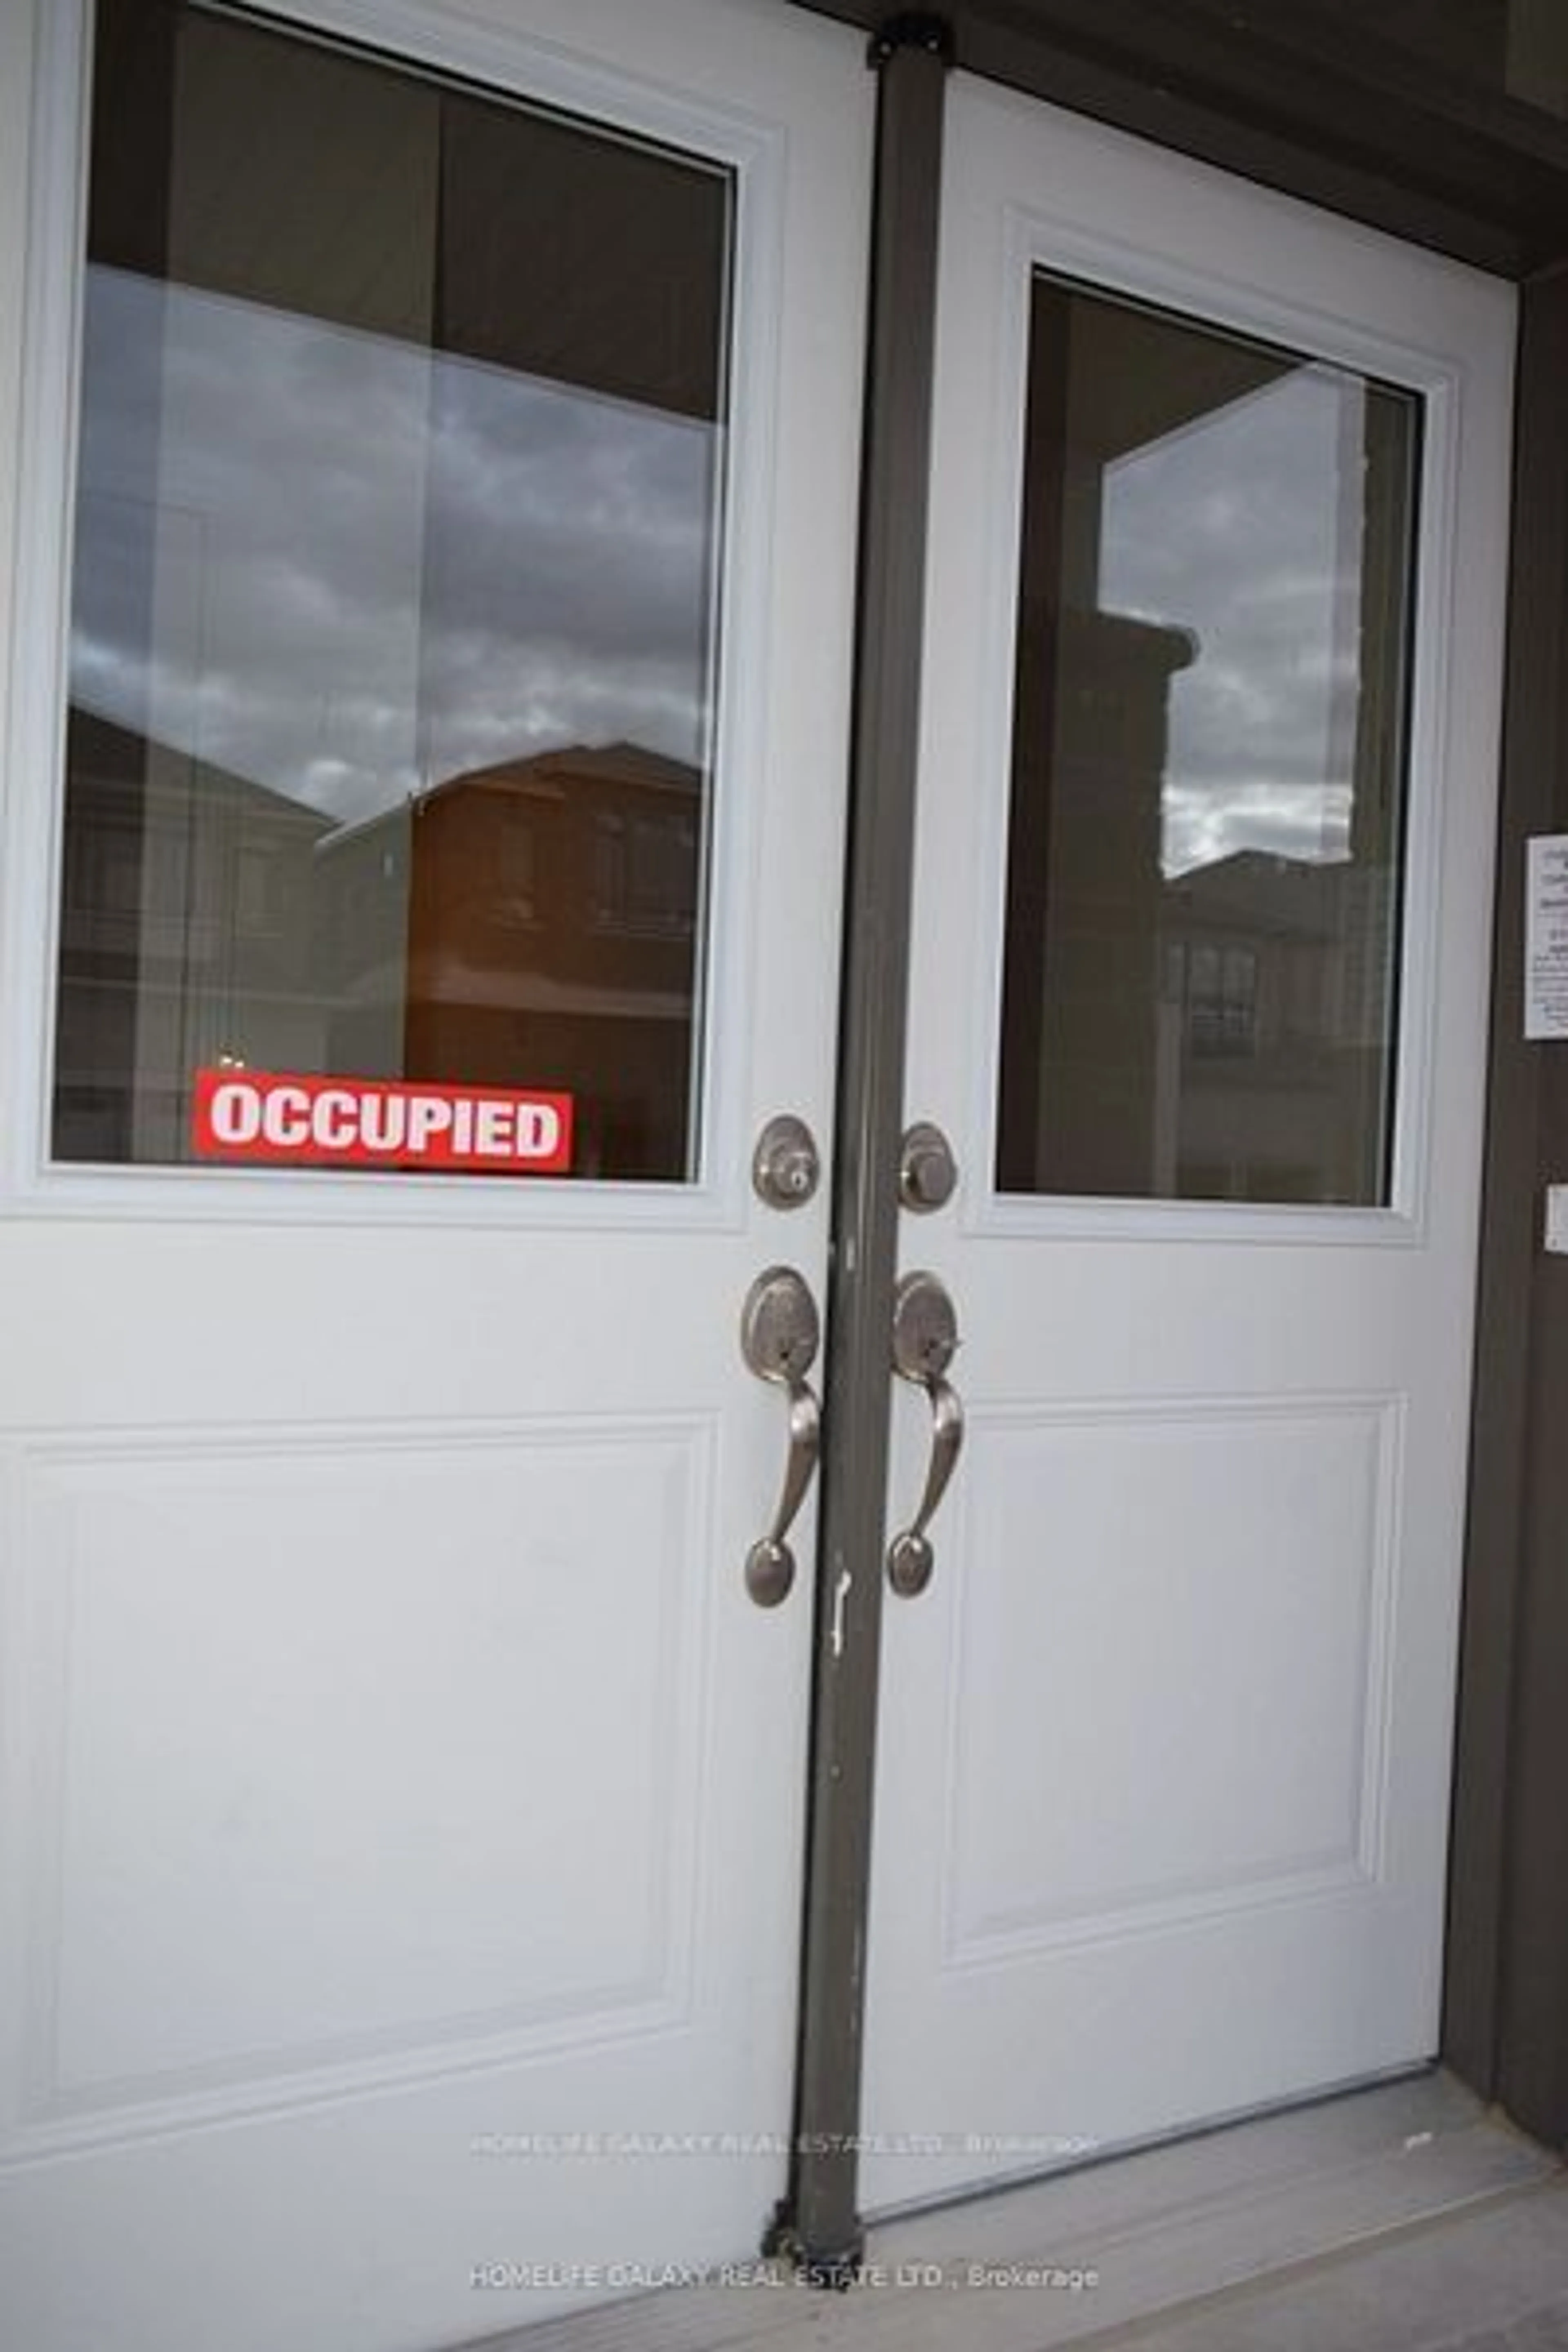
[[403, 1796], [1214, 607]]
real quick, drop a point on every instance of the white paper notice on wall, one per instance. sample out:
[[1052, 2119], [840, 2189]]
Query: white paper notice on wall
[[1546, 937]]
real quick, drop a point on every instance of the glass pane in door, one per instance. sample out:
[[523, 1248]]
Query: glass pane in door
[[1203, 886], [389, 754]]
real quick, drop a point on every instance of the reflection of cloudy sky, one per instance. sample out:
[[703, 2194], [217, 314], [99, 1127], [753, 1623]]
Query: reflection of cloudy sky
[[1244, 528], [368, 568]]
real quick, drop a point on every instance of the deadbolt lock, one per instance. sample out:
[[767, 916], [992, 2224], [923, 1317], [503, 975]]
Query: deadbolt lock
[[928, 1172], [786, 1165]]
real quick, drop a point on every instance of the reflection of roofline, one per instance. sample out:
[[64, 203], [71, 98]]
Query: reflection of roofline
[[144, 750], [1252, 895], [1278, 862], [1177, 645], [543, 776], [339, 834], [619, 762]]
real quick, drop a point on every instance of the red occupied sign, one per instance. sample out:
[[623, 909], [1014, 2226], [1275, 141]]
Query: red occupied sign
[[278, 1117]]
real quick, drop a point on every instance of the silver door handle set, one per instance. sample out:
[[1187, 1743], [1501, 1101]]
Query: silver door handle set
[[781, 1331]]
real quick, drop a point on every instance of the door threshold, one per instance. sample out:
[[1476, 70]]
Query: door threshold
[[1405, 2181], [1119, 2152]]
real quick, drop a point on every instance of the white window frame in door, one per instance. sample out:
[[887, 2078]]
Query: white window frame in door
[[537, 71], [1229, 294]]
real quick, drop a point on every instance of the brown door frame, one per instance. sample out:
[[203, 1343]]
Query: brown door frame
[[1505, 2026]]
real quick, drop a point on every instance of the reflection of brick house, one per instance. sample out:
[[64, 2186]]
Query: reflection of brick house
[[529, 924], [549, 940]]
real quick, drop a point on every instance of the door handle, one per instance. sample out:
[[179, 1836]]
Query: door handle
[[925, 1341], [779, 1334]]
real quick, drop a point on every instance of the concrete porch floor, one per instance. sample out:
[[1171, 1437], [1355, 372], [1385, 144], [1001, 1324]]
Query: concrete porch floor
[[1398, 2219]]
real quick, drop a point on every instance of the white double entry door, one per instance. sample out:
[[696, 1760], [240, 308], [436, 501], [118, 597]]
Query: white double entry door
[[404, 1797]]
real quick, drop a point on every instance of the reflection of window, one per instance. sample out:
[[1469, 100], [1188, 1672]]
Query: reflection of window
[[104, 872], [644, 874], [256, 898], [168, 867], [1222, 1001], [663, 861], [515, 878], [609, 870]]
